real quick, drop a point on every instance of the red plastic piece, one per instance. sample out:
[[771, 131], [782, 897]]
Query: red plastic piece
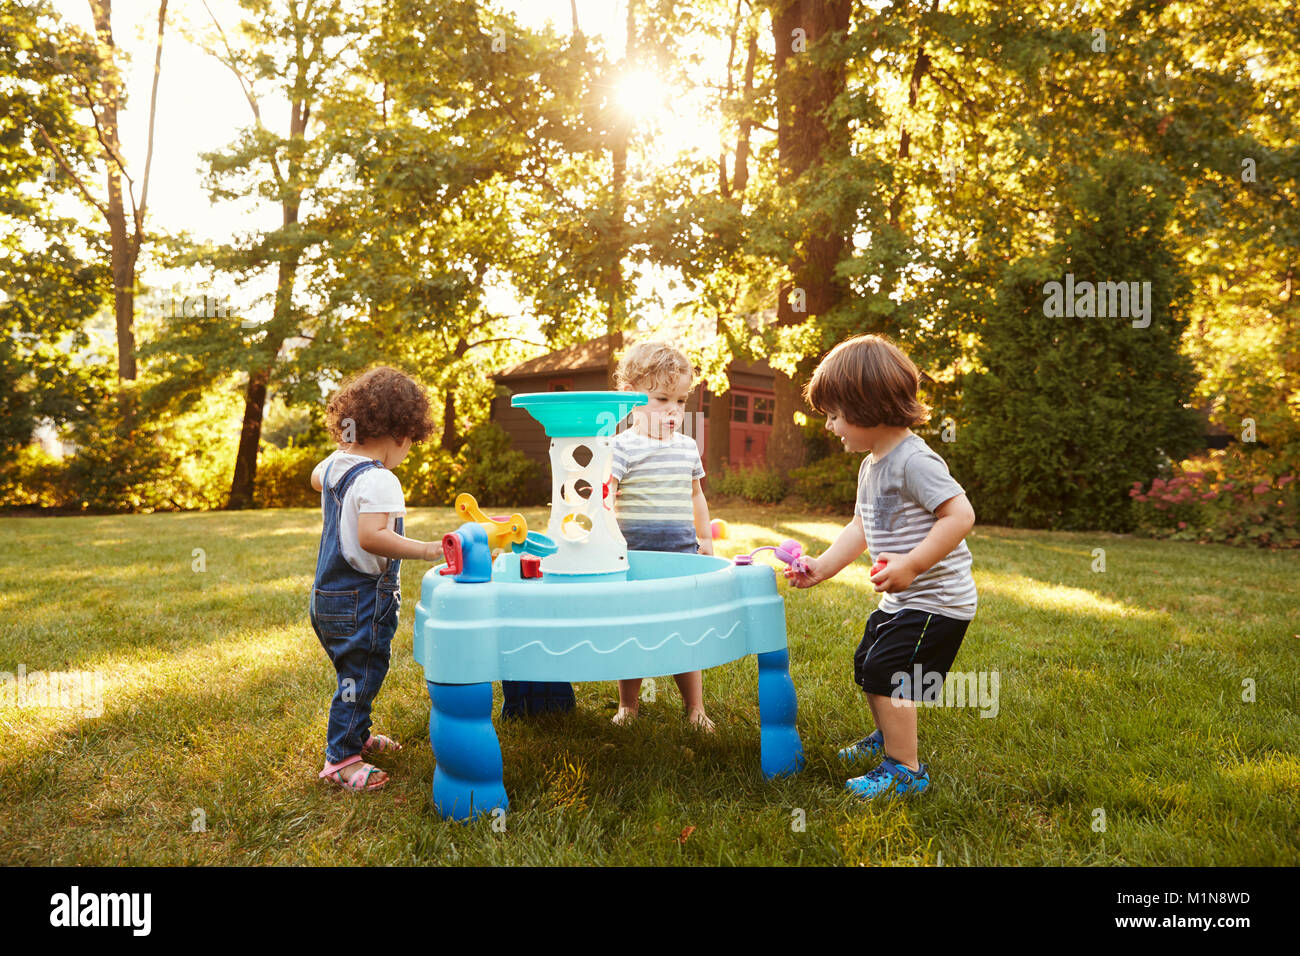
[[530, 566], [452, 553], [878, 566]]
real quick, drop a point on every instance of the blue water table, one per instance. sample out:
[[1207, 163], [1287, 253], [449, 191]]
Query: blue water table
[[575, 604]]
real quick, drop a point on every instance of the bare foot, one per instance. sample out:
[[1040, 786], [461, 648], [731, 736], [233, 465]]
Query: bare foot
[[624, 716], [700, 720]]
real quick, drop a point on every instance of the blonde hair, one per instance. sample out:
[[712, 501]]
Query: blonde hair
[[870, 381], [649, 365]]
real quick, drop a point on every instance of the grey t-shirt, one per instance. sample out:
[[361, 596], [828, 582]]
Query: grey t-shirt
[[897, 497]]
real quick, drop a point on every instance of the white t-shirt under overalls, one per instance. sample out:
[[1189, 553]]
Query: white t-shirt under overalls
[[374, 491]]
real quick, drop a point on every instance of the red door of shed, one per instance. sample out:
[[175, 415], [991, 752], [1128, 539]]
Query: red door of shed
[[751, 426]]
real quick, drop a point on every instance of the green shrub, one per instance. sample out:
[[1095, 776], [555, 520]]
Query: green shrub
[[429, 475], [164, 461], [727, 484], [1069, 411], [486, 467], [762, 485], [31, 478], [830, 482], [284, 477]]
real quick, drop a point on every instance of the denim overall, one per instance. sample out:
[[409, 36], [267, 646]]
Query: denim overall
[[355, 617]]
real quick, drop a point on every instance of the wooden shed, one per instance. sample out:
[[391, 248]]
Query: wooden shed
[[745, 410]]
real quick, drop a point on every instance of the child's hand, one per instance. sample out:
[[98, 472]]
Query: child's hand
[[433, 551], [804, 573], [706, 545], [896, 575]]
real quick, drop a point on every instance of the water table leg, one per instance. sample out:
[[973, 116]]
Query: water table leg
[[467, 779], [780, 749]]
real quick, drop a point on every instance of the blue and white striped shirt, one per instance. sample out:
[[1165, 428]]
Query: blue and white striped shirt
[[655, 482]]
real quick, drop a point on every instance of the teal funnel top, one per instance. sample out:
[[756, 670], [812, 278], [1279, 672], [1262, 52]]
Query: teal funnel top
[[579, 414]]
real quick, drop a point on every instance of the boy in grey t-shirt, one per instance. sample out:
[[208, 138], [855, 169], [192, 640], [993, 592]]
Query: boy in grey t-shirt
[[913, 517]]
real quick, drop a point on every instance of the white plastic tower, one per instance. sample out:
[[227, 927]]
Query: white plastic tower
[[582, 523]]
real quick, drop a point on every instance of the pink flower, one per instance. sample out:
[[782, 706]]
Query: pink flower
[[1140, 497], [1262, 488], [1158, 484], [1209, 496], [1181, 525], [1285, 480]]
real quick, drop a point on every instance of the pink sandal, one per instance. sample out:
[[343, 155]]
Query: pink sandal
[[380, 744], [360, 780]]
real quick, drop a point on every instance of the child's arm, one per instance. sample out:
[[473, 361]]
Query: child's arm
[[848, 547], [955, 519], [316, 476], [374, 536], [703, 529]]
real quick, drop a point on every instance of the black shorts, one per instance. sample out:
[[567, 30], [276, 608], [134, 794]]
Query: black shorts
[[907, 654]]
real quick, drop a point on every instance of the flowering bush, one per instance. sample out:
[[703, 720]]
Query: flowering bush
[[1228, 496]]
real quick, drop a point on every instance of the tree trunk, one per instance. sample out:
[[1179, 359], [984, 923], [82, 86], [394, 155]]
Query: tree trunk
[[121, 256], [741, 177], [452, 439], [263, 361], [719, 444], [250, 439], [244, 479], [805, 139], [621, 134]]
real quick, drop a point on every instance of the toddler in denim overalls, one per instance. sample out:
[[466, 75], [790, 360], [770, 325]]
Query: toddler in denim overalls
[[356, 592]]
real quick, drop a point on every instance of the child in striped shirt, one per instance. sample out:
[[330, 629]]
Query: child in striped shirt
[[656, 480]]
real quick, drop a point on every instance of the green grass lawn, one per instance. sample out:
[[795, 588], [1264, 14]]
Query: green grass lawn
[[1118, 692]]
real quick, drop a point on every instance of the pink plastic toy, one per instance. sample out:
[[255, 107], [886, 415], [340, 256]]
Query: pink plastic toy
[[788, 551]]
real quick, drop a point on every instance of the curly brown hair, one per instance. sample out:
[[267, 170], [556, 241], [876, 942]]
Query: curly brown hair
[[379, 402], [870, 381]]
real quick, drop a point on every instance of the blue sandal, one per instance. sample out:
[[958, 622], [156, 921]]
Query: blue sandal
[[889, 779], [873, 745]]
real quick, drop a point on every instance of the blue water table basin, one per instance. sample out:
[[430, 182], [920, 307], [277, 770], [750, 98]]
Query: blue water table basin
[[576, 605]]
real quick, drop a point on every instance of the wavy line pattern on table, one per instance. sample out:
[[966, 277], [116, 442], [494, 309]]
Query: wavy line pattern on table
[[630, 640]]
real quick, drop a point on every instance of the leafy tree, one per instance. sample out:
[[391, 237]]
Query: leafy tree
[[52, 274], [1076, 403], [93, 67]]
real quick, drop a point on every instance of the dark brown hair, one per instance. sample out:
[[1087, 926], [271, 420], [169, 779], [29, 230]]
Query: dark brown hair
[[380, 402], [869, 381]]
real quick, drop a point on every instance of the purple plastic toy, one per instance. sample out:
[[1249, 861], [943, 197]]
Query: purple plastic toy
[[788, 551]]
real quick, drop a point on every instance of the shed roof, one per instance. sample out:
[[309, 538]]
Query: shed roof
[[592, 355]]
